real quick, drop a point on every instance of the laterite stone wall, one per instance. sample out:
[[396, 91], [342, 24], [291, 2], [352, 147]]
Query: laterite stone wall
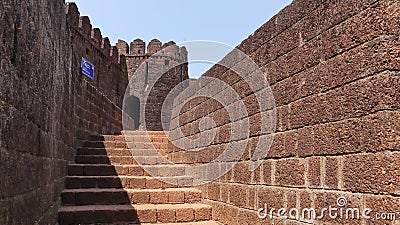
[[334, 69], [47, 106]]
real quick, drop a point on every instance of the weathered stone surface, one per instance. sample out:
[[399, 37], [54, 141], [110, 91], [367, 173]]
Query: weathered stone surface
[[47, 105], [372, 173], [333, 70]]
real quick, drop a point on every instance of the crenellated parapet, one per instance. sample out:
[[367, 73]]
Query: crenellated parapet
[[114, 53], [137, 50], [96, 36], [85, 26], [106, 45], [110, 77], [71, 9], [123, 47], [144, 64], [154, 46], [138, 47], [81, 26], [153, 71]]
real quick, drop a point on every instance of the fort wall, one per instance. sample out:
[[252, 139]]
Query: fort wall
[[153, 72], [46, 105], [333, 68]]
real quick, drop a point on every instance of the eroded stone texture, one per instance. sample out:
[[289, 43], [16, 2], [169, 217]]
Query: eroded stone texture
[[46, 105], [152, 74], [333, 71]]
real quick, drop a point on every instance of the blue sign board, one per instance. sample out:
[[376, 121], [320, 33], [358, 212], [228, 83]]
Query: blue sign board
[[87, 68]]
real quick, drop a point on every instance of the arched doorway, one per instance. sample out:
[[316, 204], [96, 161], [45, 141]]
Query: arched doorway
[[132, 108]]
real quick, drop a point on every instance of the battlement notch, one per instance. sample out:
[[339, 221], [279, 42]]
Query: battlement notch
[[96, 36], [123, 47], [85, 26]]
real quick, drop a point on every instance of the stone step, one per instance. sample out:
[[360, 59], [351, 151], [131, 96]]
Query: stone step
[[148, 213], [145, 138], [104, 151], [104, 170], [130, 182], [107, 138], [101, 159], [119, 151], [131, 170], [151, 160], [150, 133], [103, 196], [125, 144], [145, 152], [138, 137], [104, 144], [146, 145], [191, 223]]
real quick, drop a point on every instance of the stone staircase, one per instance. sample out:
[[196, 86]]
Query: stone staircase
[[105, 185]]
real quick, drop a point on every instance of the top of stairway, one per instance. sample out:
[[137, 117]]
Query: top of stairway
[[128, 133], [191, 223], [143, 132]]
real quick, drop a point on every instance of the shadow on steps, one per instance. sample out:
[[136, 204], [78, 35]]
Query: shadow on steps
[[107, 186], [94, 192]]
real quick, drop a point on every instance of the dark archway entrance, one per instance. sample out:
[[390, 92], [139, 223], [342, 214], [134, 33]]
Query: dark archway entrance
[[132, 108]]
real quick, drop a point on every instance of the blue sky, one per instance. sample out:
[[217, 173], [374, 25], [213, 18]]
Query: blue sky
[[228, 22]]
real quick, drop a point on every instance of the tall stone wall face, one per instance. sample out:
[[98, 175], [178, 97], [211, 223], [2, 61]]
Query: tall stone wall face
[[98, 101], [46, 106], [333, 68], [152, 75], [157, 103]]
